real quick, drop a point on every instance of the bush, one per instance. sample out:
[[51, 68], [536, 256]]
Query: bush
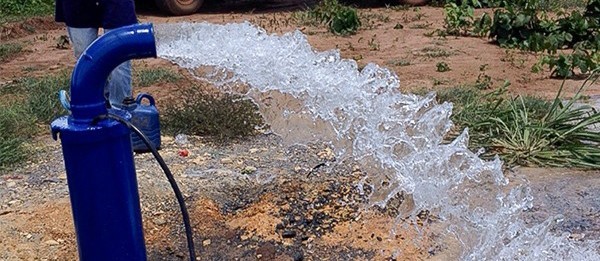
[[221, 116], [340, 19]]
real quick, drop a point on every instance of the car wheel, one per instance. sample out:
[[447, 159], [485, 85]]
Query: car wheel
[[414, 2], [179, 7]]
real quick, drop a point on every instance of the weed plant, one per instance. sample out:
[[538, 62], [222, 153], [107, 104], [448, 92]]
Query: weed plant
[[526, 130], [221, 116], [339, 18]]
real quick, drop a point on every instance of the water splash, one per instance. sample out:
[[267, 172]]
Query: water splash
[[321, 97]]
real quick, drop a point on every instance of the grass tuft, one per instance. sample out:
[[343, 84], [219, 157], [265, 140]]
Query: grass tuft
[[526, 130], [9, 50], [220, 116], [149, 77]]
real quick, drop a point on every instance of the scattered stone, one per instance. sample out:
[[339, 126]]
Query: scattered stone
[[51, 242], [159, 221], [326, 154], [259, 256], [11, 184], [288, 234], [181, 139], [249, 170], [226, 161], [254, 150], [206, 242]]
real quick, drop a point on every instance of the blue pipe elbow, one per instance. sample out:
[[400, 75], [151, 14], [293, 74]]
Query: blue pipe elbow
[[99, 60]]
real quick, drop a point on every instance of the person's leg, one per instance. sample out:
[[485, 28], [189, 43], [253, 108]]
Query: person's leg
[[81, 38], [119, 83]]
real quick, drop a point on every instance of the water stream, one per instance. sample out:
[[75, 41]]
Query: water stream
[[307, 96]]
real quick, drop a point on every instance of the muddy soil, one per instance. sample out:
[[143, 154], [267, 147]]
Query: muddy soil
[[258, 199]]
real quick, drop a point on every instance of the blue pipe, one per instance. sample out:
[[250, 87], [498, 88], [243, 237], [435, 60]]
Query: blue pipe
[[99, 60], [98, 155]]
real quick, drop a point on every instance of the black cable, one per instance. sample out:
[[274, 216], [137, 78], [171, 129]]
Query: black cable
[[163, 165]]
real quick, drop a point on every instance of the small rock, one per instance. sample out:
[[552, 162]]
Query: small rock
[[181, 139], [12, 202], [254, 150], [258, 256], [51, 242], [62, 176], [11, 184], [54, 67], [249, 170], [226, 161], [28, 236], [159, 221], [288, 234], [326, 154], [206, 242]]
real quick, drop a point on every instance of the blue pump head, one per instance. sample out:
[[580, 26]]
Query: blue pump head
[[99, 60]]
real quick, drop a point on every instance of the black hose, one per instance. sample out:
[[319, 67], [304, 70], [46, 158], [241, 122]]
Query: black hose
[[163, 165]]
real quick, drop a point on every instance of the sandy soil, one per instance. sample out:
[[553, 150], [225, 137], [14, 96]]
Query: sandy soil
[[300, 203]]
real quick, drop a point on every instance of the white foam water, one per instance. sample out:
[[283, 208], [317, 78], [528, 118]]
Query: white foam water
[[363, 114]]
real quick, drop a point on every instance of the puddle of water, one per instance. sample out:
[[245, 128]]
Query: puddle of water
[[309, 96]]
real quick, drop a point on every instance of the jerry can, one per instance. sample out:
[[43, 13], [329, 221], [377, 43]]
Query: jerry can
[[144, 117]]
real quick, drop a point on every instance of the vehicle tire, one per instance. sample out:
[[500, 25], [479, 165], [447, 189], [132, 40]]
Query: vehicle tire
[[179, 7], [414, 2]]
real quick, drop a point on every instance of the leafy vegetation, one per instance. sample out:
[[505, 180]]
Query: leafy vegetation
[[525, 25], [339, 18], [527, 130], [28, 106], [442, 67], [13, 9], [221, 116]]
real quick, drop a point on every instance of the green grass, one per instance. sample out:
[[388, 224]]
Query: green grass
[[525, 130], [28, 106], [149, 77], [15, 10], [9, 50]]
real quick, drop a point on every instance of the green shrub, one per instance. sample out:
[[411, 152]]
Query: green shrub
[[442, 67], [522, 25], [339, 18], [221, 116]]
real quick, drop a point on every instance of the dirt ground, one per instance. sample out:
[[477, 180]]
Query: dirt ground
[[296, 203]]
